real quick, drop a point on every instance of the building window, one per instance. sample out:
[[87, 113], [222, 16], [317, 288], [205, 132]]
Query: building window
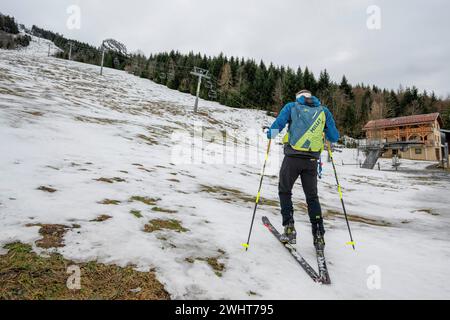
[[403, 138], [418, 151]]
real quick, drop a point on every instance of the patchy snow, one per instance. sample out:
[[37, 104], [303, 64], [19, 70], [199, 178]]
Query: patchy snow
[[63, 125], [39, 47]]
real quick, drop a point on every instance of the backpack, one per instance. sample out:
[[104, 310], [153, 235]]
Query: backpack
[[306, 128]]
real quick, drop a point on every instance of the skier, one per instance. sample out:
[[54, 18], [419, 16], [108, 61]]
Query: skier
[[307, 120]]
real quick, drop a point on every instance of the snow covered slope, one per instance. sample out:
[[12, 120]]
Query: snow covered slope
[[40, 47], [64, 126]]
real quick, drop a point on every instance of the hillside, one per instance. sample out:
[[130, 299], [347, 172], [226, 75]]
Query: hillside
[[78, 147], [246, 83]]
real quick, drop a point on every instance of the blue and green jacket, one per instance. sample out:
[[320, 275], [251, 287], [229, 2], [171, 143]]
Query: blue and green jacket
[[297, 128]]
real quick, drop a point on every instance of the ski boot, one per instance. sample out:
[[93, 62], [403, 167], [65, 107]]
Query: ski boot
[[289, 235], [318, 232]]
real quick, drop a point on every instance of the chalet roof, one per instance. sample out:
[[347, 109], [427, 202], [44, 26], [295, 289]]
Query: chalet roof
[[403, 121]]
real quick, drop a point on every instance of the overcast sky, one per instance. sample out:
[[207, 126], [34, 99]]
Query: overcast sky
[[411, 48]]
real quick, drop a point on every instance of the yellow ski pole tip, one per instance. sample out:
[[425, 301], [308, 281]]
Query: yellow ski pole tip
[[351, 243], [245, 245]]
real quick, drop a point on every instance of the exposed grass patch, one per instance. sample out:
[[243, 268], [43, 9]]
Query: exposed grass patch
[[159, 224], [26, 276], [427, 211], [213, 262], [35, 113], [190, 260], [149, 140], [136, 213], [98, 120], [101, 218], [173, 180], [52, 235], [145, 169], [110, 202], [333, 213], [217, 266], [231, 195], [52, 167], [158, 209], [110, 180], [187, 175], [146, 200], [16, 92], [302, 206], [210, 119], [47, 189]]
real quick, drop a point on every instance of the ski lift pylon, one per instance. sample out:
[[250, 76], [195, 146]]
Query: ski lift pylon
[[212, 94]]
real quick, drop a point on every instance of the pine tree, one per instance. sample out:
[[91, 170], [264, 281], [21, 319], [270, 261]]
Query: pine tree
[[290, 85], [405, 102], [324, 81], [365, 109], [393, 105], [346, 88], [8, 24], [446, 117], [350, 120], [423, 102], [309, 81], [278, 95], [300, 79]]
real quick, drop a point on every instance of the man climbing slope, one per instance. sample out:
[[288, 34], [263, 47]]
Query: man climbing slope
[[307, 120]]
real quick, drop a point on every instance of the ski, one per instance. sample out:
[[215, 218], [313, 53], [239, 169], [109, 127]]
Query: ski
[[322, 264], [297, 256]]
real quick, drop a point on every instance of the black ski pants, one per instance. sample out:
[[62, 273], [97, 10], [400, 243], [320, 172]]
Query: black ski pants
[[291, 169]]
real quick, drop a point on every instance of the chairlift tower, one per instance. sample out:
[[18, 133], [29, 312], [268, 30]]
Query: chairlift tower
[[70, 50], [103, 57], [200, 73]]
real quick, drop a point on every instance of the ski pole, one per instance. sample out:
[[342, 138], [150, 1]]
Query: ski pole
[[258, 196], [320, 167], [352, 243]]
